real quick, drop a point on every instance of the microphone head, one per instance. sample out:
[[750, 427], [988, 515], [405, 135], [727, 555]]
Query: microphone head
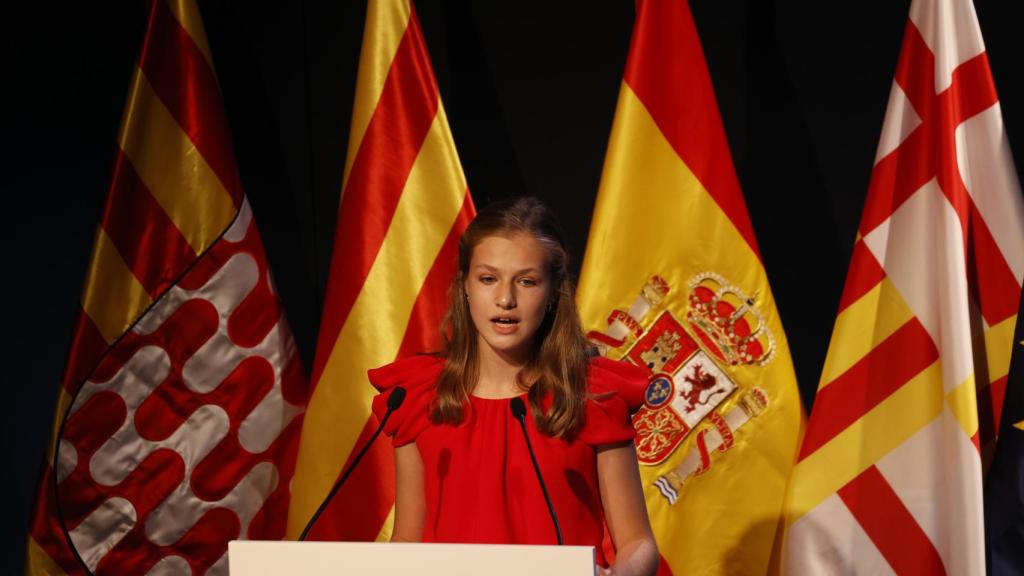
[[396, 398], [518, 408]]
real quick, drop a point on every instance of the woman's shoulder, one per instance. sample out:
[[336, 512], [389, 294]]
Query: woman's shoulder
[[618, 377], [417, 375], [615, 391], [419, 370]]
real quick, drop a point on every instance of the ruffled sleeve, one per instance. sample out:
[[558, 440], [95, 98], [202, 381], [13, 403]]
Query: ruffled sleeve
[[417, 374], [616, 392]]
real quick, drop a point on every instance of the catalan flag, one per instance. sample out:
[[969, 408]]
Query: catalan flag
[[673, 281], [403, 208], [178, 417], [889, 477]]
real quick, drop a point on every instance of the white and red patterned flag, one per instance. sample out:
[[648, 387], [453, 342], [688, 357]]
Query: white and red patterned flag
[[889, 476], [178, 419]]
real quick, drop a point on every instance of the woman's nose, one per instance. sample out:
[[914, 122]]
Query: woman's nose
[[506, 298]]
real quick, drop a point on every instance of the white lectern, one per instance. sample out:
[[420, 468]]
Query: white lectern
[[256, 558]]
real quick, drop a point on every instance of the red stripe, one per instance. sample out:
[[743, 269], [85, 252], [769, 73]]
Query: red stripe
[[87, 347], [897, 176], [151, 245], [380, 169], [360, 507], [871, 380], [996, 287], [667, 71], [990, 409], [187, 85], [891, 527], [970, 92], [912, 164], [915, 70], [865, 273], [422, 333]]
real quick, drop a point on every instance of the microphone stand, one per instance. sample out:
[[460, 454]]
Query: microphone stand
[[394, 401], [519, 413]]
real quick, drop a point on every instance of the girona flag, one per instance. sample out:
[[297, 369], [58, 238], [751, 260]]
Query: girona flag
[[403, 208], [890, 473], [178, 418], [673, 282]]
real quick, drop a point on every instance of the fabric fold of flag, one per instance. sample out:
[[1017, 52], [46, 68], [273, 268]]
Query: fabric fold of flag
[[403, 207], [889, 477], [673, 281], [177, 423]]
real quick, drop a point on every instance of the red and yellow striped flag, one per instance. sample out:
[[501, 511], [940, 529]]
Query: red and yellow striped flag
[[673, 281], [403, 208], [177, 423], [889, 477]]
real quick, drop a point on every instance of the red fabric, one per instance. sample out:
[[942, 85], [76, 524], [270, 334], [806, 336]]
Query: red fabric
[[479, 483]]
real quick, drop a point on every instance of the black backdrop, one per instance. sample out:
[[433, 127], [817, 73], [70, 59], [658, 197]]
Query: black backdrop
[[530, 90]]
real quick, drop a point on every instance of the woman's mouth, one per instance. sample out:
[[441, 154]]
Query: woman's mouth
[[505, 325]]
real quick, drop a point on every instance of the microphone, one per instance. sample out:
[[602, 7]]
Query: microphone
[[394, 401], [519, 413]]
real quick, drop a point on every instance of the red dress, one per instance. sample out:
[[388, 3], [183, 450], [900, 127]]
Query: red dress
[[479, 483]]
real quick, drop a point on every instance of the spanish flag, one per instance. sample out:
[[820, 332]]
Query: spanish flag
[[178, 416], [404, 206], [889, 478], [673, 281]]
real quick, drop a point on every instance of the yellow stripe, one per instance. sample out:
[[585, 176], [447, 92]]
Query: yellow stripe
[[386, 529], [386, 21], [38, 562], [172, 168], [376, 325], [963, 403], [865, 442], [862, 326], [188, 15], [999, 348], [113, 297]]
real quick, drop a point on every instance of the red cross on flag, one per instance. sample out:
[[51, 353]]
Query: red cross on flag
[[889, 477]]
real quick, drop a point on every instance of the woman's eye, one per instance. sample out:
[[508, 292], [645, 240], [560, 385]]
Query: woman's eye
[[527, 281], [487, 279]]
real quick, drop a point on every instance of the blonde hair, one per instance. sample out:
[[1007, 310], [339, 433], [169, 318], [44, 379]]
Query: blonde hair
[[558, 364]]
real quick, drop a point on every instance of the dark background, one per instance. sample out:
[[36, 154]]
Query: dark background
[[530, 90]]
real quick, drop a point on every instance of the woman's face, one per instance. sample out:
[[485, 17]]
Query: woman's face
[[508, 288]]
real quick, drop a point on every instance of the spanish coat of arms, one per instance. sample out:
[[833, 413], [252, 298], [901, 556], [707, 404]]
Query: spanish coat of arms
[[688, 360]]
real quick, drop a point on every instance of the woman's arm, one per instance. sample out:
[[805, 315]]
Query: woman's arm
[[622, 495], [410, 505]]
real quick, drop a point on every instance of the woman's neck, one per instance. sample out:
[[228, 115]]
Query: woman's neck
[[498, 376]]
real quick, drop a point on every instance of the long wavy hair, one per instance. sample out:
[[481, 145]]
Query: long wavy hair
[[557, 367]]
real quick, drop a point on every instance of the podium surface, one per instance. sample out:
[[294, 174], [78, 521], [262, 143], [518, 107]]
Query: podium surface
[[257, 558]]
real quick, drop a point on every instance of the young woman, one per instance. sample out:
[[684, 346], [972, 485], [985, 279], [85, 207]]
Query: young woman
[[463, 473]]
